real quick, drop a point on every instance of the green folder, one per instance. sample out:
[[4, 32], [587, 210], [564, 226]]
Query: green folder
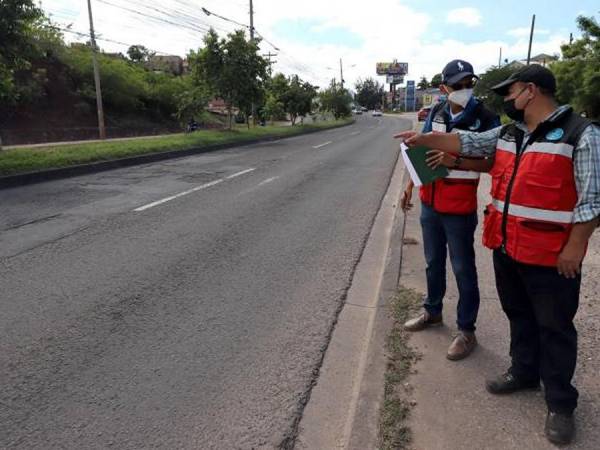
[[420, 172]]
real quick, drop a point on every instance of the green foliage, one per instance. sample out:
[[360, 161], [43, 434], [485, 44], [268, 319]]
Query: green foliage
[[490, 78], [436, 80], [231, 69], [139, 53], [369, 93], [298, 98], [18, 22], [578, 73], [336, 100], [423, 83]]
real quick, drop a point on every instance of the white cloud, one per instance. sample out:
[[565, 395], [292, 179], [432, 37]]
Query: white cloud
[[470, 17], [402, 33], [524, 32]]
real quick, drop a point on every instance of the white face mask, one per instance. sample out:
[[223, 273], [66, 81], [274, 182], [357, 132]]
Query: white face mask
[[461, 97]]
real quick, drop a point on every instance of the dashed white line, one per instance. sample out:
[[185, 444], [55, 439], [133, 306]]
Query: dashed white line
[[323, 144], [268, 180], [354, 133], [189, 191], [239, 173]]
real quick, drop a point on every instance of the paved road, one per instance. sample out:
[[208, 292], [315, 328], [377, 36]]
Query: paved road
[[182, 304]]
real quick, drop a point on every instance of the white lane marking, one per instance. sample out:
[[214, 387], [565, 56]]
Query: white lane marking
[[323, 145], [262, 183], [354, 133], [189, 191], [229, 177], [268, 180]]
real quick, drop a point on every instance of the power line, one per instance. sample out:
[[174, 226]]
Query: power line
[[160, 19]]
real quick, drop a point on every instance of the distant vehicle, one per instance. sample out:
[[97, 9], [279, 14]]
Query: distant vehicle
[[377, 113], [363, 109], [423, 113], [357, 111]]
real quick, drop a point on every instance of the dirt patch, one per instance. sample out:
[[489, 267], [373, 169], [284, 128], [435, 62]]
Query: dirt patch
[[393, 430]]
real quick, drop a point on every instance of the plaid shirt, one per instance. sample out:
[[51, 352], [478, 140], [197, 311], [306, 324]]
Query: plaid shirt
[[586, 162]]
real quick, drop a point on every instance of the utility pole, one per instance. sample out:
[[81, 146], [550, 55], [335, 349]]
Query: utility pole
[[341, 74], [269, 56], [253, 107], [530, 39], [500, 58], [101, 128], [570, 38]]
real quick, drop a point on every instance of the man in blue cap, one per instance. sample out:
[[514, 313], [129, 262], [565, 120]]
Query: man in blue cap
[[449, 210]]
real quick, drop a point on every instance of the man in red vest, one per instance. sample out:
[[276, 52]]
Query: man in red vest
[[449, 211], [545, 207]]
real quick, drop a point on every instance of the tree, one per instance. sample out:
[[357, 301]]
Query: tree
[[17, 22], [336, 100], [297, 99], [490, 78], [230, 69], [423, 84], [578, 73], [139, 53], [436, 80], [369, 93]]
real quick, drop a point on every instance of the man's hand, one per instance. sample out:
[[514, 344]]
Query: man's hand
[[569, 260], [436, 158], [410, 138]]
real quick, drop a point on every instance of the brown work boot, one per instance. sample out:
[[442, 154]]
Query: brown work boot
[[425, 320], [462, 346]]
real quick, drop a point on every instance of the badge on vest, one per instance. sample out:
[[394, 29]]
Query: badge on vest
[[555, 134], [476, 125]]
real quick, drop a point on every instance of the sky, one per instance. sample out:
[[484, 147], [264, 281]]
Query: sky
[[310, 37]]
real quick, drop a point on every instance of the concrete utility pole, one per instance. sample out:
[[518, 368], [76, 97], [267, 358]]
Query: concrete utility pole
[[101, 128], [500, 58], [530, 38], [253, 107], [341, 74], [269, 56]]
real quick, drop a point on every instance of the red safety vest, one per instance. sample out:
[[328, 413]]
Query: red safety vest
[[533, 191], [454, 194]]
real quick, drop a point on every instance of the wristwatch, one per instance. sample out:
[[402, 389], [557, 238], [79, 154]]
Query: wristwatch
[[457, 162]]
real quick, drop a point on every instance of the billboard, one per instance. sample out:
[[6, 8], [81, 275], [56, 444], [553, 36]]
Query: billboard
[[395, 79], [391, 68]]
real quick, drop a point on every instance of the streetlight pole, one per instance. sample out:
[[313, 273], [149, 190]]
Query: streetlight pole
[[101, 127], [530, 38]]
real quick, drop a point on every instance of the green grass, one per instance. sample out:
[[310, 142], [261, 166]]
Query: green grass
[[393, 432], [23, 160]]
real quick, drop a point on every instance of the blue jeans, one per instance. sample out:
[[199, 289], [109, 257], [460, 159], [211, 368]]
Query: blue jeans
[[457, 233]]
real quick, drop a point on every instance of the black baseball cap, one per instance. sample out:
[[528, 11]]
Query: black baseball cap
[[534, 73], [457, 70]]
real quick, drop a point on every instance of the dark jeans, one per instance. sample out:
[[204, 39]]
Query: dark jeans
[[456, 232], [541, 305]]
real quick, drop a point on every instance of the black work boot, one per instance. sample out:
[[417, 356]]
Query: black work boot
[[507, 383], [560, 427]]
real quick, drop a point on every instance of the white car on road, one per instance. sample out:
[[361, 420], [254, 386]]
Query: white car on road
[[377, 113]]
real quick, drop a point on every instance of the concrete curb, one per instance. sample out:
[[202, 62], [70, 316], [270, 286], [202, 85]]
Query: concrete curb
[[344, 405], [9, 181]]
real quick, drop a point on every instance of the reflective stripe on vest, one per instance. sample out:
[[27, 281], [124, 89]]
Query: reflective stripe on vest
[[462, 175], [551, 148], [507, 146], [525, 212]]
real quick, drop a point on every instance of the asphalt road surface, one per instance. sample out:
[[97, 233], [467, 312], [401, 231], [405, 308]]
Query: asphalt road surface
[[186, 303]]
